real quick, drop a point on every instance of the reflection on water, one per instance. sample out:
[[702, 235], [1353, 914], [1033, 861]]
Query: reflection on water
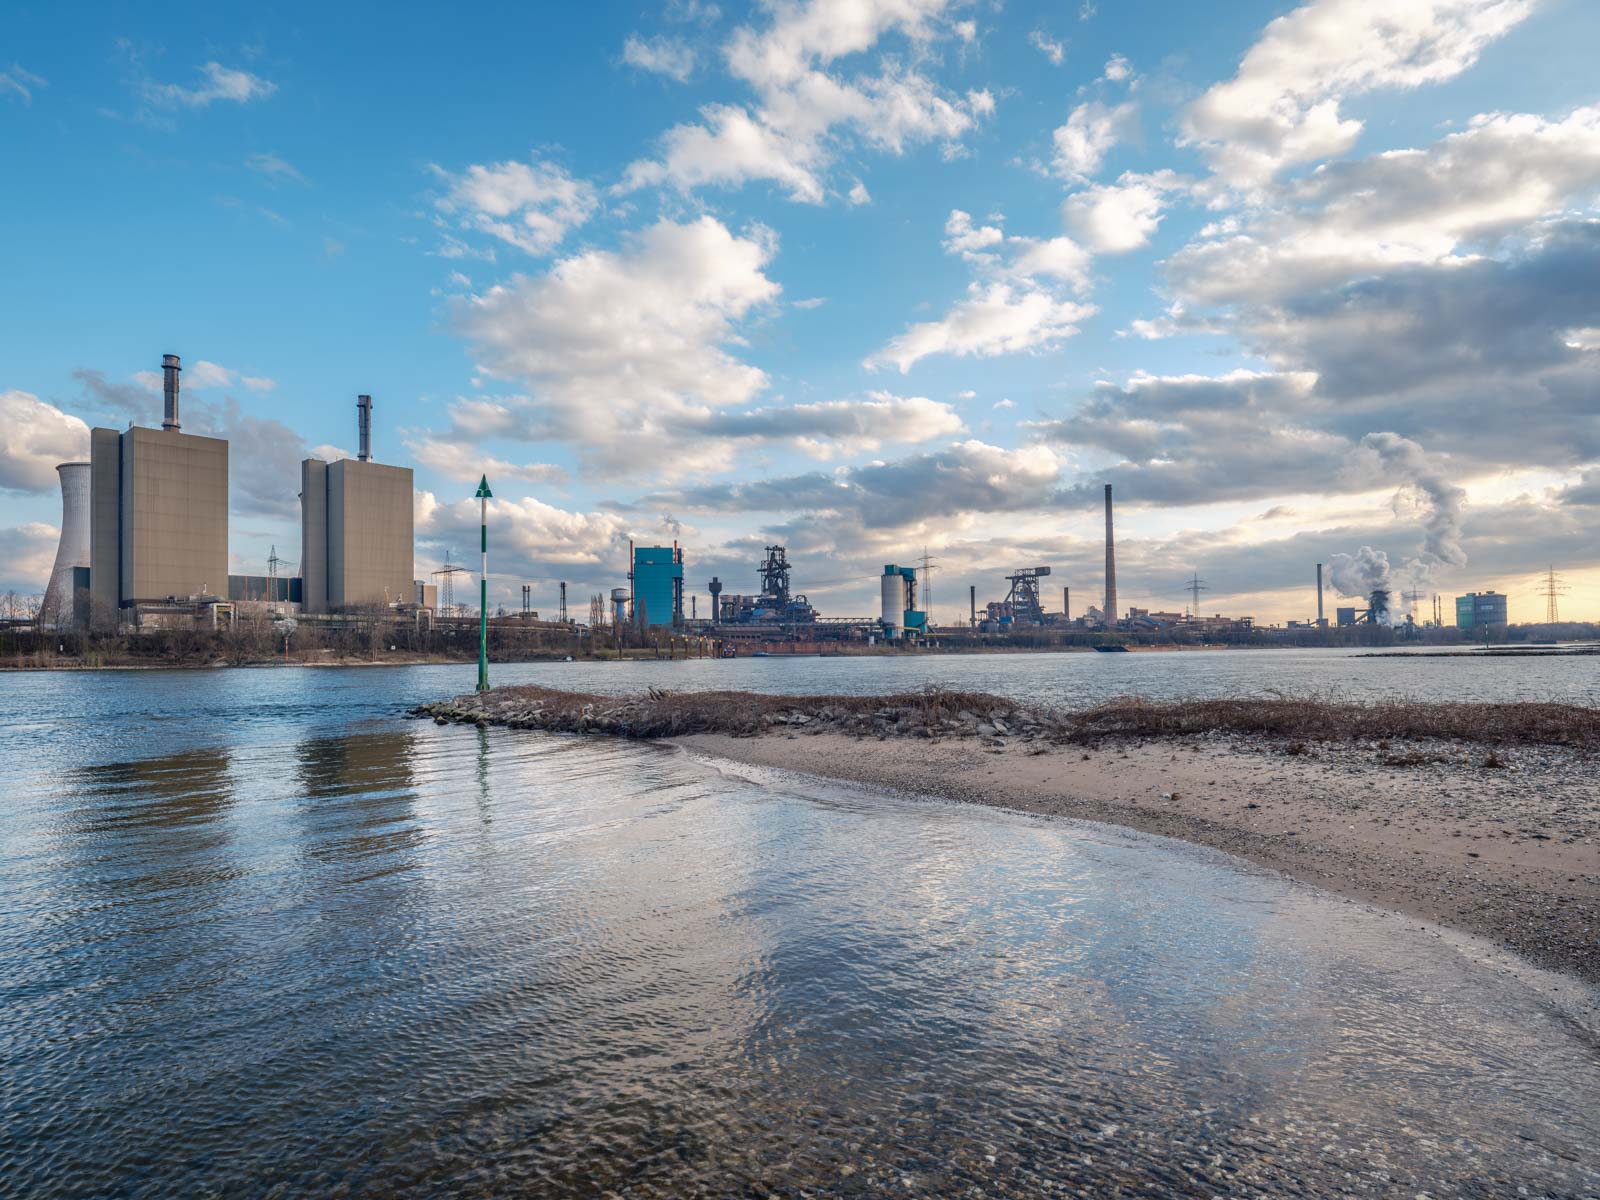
[[386, 958]]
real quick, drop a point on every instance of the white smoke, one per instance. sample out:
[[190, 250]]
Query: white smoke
[[1424, 485], [1361, 573]]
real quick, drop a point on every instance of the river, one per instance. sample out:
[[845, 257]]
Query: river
[[263, 935]]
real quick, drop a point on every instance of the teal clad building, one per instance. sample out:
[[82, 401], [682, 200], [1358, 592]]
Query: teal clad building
[[657, 586], [1477, 609]]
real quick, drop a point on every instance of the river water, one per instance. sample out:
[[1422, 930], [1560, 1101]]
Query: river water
[[260, 935]]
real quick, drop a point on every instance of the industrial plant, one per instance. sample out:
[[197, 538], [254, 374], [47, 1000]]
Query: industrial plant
[[144, 545], [144, 532]]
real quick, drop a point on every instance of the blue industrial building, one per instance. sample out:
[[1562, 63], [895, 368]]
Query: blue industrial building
[[657, 579], [1477, 609]]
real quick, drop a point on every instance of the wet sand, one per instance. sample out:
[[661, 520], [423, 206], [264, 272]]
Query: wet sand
[[1510, 854]]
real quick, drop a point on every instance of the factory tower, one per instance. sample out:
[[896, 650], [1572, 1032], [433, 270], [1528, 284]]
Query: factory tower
[[356, 532], [158, 523]]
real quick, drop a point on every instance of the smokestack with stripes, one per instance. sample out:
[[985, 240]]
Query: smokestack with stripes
[[1111, 567], [169, 391]]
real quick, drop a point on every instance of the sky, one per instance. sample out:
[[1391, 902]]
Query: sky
[[871, 279]]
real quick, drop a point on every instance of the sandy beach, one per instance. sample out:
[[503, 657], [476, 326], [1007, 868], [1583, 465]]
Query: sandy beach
[[1511, 854], [1480, 818]]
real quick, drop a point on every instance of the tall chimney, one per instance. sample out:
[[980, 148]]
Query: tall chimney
[[972, 591], [169, 391], [1319, 594], [1066, 604], [364, 420], [1111, 567]]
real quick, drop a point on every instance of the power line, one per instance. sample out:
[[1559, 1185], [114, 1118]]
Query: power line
[[447, 589], [1554, 585], [1194, 587]]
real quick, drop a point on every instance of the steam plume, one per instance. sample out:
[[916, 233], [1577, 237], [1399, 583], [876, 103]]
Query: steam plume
[[1420, 477]]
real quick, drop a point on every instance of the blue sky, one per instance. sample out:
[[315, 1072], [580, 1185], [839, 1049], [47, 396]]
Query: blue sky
[[862, 276]]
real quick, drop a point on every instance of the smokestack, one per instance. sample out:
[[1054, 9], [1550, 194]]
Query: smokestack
[[973, 596], [169, 391], [1066, 604], [1320, 617], [1111, 567], [364, 420]]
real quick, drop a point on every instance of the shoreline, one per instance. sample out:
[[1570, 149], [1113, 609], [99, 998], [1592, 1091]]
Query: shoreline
[[1341, 820], [1489, 830]]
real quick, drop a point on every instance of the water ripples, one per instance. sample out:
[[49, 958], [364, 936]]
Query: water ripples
[[392, 959]]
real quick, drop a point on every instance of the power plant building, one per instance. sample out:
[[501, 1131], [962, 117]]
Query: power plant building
[[70, 574], [158, 523], [356, 530], [657, 576], [1478, 609]]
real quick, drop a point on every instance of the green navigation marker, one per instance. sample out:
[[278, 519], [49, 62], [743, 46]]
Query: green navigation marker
[[483, 585]]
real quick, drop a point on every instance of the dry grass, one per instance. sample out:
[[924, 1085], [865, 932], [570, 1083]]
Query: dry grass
[[1312, 720]]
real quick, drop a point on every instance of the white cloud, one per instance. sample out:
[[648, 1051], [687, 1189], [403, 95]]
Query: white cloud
[[805, 116], [219, 83], [466, 462], [532, 206], [1116, 218], [1117, 68], [274, 168], [258, 383], [907, 494], [1283, 106], [202, 374], [1058, 258], [858, 193], [20, 83], [1048, 46], [34, 437], [731, 148], [669, 56], [27, 554], [533, 539], [994, 319], [619, 347], [834, 428], [1400, 207], [961, 237], [807, 32], [1091, 130]]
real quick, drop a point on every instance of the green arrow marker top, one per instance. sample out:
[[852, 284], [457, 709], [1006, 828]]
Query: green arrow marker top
[[483, 492]]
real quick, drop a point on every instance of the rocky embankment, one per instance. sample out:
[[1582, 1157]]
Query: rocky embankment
[[660, 714]]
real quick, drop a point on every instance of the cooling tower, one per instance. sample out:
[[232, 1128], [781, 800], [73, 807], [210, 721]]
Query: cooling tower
[[1111, 568], [74, 548]]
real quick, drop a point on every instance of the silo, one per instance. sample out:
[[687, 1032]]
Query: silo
[[73, 550], [619, 606], [894, 600]]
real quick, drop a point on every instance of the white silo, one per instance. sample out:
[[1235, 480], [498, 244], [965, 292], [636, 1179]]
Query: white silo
[[73, 550], [894, 600]]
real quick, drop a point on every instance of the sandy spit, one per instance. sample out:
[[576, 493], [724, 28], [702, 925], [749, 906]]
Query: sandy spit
[[1509, 854]]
